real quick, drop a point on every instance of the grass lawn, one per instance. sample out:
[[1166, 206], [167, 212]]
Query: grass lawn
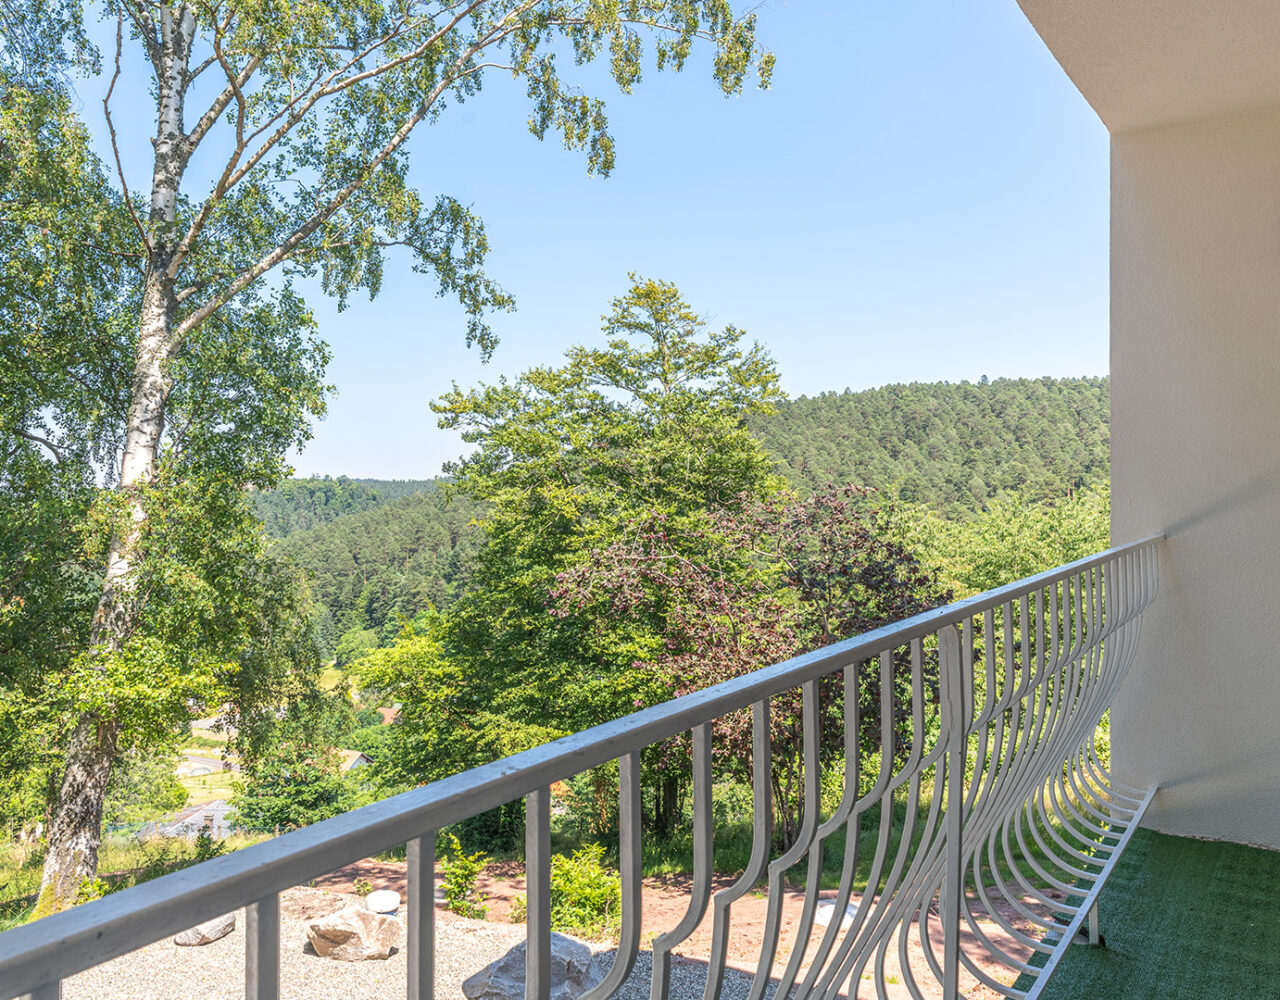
[[1183, 918], [331, 677], [204, 788]]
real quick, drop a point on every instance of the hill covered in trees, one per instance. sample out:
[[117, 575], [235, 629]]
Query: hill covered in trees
[[952, 447], [378, 549], [299, 504], [399, 557]]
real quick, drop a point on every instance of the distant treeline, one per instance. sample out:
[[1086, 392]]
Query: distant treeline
[[377, 550], [299, 504], [952, 447]]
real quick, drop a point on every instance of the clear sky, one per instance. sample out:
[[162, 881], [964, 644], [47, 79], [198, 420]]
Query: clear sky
[[921, 196]]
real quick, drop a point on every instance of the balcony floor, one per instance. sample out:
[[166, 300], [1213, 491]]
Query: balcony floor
[[1182, 920]]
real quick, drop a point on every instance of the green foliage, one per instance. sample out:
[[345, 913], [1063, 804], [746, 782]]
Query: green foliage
[[461, 870], [950, 447], [415, 672], [376, 741], [91, 889], [295, 784], [519, 908], [362, 887], [354, 644], [1014, 537], [143, 787], [498, 831], [586, 898], [653, 421], [368, 716]]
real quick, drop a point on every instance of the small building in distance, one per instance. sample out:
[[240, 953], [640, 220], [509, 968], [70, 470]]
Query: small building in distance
[[351, 759]]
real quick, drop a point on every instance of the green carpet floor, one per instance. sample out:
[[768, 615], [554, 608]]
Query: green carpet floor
[[1182, 920]]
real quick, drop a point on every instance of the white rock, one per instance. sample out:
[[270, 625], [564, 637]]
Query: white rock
[[353, 934], [826, 910], [572, 973], [382, 901], [210, 930]]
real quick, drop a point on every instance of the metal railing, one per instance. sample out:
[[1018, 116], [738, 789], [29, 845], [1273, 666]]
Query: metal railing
[[995, 822]]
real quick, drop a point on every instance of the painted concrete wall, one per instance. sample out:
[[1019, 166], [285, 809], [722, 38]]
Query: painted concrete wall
[[1195, 397]]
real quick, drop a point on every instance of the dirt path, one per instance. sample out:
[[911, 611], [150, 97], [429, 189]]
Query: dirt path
[[665, 901]]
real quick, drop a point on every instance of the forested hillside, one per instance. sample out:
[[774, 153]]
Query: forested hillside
[[298, 504], [379, 549], [398, 557], [950, 446]]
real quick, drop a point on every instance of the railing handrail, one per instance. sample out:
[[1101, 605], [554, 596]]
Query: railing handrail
[[88, 935]]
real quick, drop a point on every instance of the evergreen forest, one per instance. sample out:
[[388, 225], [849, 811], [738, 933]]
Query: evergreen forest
[[949, 446], [298, 504]]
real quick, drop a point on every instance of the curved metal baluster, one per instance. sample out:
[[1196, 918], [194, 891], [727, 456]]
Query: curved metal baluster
[[1054, 835], [888, 745], [762, 815], [629, 864], [828, 984], [804, 840], [889, 904], [702, 844], [840, 817]]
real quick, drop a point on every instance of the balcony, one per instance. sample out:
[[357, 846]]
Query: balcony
[[984, 825], [1181, 918]]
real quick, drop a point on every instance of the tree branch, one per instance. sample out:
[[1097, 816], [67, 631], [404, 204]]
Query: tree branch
[[146, 26], [235, 82], [37, 439], [115, 147], [291, 244], [200, 69], [312, 96], [229, 93]]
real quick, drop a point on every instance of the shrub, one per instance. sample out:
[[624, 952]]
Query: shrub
[[92, 889], [368, 716], [363, 887], [294, 784], [586, 898], [460, 873], [498, 831]]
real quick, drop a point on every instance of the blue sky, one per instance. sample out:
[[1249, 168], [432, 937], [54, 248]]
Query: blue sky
[[921, 196]]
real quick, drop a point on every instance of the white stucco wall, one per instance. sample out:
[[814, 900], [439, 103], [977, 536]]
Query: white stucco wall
[[1195, 391]]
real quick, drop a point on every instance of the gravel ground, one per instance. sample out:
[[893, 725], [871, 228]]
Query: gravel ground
[[165, 971]]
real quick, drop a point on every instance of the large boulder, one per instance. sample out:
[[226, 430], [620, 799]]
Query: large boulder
[[210, 930], [572, 973], [354, 934]]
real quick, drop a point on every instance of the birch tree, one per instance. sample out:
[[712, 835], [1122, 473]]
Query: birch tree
[[299, 115]]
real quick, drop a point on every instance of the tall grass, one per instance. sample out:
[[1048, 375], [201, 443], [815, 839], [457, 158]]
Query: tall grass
[[122, 862]]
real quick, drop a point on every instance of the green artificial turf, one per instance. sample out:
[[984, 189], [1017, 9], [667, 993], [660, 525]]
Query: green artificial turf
[[1182, 920]]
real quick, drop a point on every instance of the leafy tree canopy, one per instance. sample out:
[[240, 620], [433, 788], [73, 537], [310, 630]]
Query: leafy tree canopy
[[653, 422]]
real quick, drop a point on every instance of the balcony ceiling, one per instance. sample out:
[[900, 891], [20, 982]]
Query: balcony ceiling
[[1151, 62]]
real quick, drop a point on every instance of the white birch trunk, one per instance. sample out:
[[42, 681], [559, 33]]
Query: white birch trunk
[[75, 834]]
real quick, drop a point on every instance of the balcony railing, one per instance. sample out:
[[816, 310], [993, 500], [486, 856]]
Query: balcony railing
[[987, 713]]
